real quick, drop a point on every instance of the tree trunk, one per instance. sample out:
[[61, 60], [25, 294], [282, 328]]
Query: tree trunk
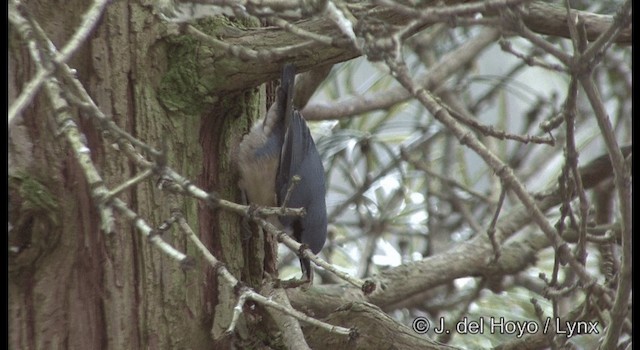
[[72, 285]]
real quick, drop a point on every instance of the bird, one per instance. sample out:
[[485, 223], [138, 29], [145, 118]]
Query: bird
[[277, 148]]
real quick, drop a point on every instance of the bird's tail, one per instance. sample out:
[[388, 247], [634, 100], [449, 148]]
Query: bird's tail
[[287, 83]]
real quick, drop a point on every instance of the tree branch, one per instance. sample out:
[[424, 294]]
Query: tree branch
[[470, 258], [376, 330], [91, 19], [449, 64], [540, 17]]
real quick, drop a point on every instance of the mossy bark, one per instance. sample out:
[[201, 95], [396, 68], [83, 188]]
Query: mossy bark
[[73, 286]]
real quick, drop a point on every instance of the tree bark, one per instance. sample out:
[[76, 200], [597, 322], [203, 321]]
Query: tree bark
[[73, 286]]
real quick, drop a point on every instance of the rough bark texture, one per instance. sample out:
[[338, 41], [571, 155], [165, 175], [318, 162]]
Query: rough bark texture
[[73, 286], [538, 16], [374, 329]]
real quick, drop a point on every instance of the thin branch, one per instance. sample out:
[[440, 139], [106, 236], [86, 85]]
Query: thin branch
[[421, 165], [555, 293], [294, 182], [505, 173], [247, 292], [292, 244], [550, 19], [444, 13], [82, 154], [91, 19], [622, 176], [448, 65], [491, 231], [512, 21], [344, 22], [300, 316], [247, 54], [620, 20], [607, 238], [84, 100], [572, 163], [182, 184], [292, 28], [579, 41], [531, 61], [459, 112], [129, 183], [237, 311], [149, 233]]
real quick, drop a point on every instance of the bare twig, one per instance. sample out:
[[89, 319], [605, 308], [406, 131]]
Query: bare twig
[[101, 195], [245, 210], [237, 311], [621, 19], [294, 182], [459, 112], [295, 246], [91, 19], [550, 19], [421, 165], [531, 60], [449, 64], [491, 231], [444, 13], [292, 28], [84, 100], [514, 22], [248, 293], [129, 183], [623, 186], [148, 231], [82, 153], [505, 173], [247, 54], [572, 165], [344, 22], [68, 126]]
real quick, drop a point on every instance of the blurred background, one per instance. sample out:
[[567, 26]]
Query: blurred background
[[401, 187]]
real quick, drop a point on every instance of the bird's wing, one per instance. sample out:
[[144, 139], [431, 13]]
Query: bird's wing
[[297, 142]]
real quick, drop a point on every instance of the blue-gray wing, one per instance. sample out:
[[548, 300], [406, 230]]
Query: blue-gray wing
[[296, 147], [300, 157]]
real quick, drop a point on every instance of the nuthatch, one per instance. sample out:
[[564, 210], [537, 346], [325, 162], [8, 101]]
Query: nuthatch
[[278, 148]]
